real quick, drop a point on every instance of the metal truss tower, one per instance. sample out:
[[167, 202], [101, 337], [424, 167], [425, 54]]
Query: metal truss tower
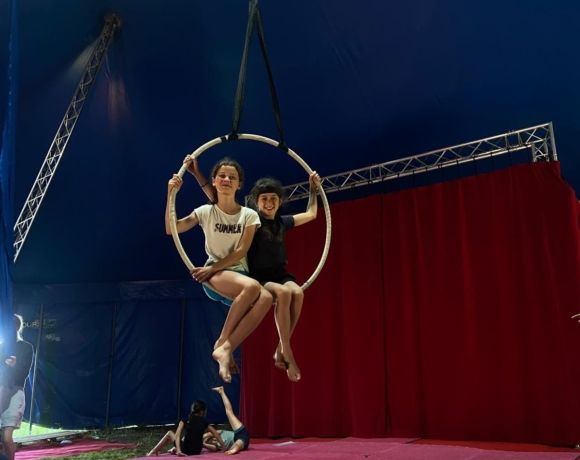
[[538, 139], [65, 130]]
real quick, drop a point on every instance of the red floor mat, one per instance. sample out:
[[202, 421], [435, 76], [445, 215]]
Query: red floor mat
[[76, 447], [445, 452], [504, 446], [287, 439], [315, 448], [384, 449]]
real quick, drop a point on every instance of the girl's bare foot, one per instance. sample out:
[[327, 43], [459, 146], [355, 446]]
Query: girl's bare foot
[[291, 367], [234, 450], [279, 358], [222, 356], [293, 371], [220, 390], [234, 369]]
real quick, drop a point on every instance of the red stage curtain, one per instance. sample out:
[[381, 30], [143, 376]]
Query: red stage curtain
[[442, 312]]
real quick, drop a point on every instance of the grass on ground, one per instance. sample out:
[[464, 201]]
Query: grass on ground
[[144, 438], [36, 430]]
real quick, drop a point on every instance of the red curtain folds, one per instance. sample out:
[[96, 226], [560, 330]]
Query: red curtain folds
[[442, 312]]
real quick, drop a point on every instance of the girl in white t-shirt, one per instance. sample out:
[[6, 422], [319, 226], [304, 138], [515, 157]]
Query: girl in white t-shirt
[[229, 229]]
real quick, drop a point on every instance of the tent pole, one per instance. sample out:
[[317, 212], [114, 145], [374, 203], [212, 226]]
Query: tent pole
[[181, 359], [111, 359], [41, 321]]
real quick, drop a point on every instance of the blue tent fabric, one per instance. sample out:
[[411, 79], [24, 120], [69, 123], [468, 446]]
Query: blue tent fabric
[[355, 86], [113, 353], [203, 323], [7, 154], [106, 292], [146, 372]]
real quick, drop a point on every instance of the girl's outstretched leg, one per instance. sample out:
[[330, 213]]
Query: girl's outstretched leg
[[234, 421], [169, 437]]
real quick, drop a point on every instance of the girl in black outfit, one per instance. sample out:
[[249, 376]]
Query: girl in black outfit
[[188, 439]]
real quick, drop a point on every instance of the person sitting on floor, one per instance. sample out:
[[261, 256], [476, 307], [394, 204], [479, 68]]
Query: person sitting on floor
[[188, 439]]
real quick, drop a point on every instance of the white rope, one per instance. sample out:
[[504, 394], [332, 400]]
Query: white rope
[[266, 140]]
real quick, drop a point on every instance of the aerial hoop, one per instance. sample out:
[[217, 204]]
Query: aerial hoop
[[254, 19], [253, 137]]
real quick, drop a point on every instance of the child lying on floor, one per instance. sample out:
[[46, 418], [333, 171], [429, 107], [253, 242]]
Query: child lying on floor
[[235, 441]]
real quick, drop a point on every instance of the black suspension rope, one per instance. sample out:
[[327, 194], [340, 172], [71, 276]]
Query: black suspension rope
[[255, 19]]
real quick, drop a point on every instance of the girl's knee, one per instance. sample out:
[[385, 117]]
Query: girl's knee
[[266, 297], [297, 293], [284, 295], [252, 287]]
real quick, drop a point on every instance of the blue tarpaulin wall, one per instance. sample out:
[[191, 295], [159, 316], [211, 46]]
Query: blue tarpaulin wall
[[7, 162], [121, 361]]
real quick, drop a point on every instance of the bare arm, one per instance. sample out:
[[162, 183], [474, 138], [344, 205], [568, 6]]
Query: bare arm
[[312, 207], [216, 435], [240, 252], [210, 447], [203, 274], [205, 185], [184, 224], [178, 438]]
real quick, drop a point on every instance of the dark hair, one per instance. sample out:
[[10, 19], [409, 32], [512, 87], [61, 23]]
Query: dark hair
[[197, 408], [18, 324], [265, 185], [225, 162]]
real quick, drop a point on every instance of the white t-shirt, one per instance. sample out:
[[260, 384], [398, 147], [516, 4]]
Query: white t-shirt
[[224, 231]]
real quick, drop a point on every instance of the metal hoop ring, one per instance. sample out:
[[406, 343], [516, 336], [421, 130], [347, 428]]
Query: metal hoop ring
[[266, 140]]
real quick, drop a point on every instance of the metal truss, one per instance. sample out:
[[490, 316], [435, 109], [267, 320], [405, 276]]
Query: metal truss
[[65, 130], [538, 139]]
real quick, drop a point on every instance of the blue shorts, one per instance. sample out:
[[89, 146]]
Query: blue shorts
[[242, 434], [214, 295]]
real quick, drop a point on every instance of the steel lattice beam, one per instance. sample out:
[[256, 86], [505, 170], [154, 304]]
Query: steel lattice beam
[[539, 139], [65, 130]]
